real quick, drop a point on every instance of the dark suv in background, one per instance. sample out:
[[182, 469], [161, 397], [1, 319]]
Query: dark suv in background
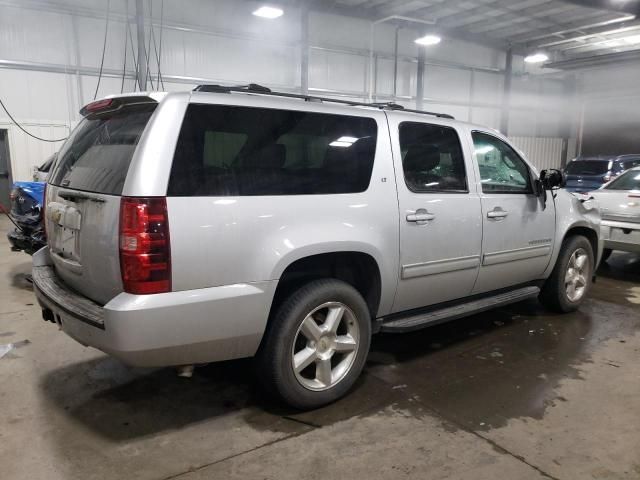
[[584, 174]]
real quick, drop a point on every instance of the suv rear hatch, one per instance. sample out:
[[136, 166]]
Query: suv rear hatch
[[84, 192]]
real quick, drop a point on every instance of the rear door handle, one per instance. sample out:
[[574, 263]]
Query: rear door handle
[[420, 217], [497, 213]]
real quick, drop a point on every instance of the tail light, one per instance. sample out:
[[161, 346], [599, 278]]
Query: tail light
[[145, 252]]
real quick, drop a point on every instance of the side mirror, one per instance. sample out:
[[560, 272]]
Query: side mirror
[[551, 179], [538, 187]]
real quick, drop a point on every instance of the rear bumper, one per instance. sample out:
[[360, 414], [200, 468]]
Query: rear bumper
[[177, 328], [623, 236]]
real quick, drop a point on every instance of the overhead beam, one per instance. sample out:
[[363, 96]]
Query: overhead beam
[[595, 61], [581, 31], [602, 32], [627, 6]]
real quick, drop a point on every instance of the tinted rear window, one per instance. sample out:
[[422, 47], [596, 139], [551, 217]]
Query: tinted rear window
[[230, 150], [588, 167], [97, 155]]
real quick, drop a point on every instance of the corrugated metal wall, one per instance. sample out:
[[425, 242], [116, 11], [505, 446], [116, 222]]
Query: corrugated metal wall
[[543, 152], [50, 53], [27, 153]]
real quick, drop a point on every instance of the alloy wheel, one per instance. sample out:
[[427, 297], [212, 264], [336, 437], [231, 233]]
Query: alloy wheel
[[325, 346], [577, 275]]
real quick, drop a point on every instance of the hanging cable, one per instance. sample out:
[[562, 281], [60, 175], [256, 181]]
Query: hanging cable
[[160, 40], [124, 65], [15, 122], [147, 52], [153, 36], [135, 60], [104, 48]]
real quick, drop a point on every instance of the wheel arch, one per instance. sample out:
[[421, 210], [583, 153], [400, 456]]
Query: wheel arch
[[357, 268], [587, 232]]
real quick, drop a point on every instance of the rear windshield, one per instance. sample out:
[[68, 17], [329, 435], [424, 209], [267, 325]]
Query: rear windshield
[[588, 167], [231, 151], [627, 181], [97, 155]]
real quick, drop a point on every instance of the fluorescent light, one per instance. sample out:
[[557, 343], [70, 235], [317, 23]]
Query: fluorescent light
[[348, 139], [268, 12], [428, 40], [536, 58]]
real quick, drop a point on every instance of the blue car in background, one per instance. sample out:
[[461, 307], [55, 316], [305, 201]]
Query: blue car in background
[[26, 214], [585, 174]]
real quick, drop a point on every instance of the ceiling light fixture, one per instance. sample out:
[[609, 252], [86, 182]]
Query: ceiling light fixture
[[536, 58], [268, 12], [428, 40]]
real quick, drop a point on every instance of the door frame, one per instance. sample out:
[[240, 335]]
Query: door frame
[[5, 200]]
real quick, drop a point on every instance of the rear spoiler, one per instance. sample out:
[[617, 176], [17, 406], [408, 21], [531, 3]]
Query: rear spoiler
[[114, 102]]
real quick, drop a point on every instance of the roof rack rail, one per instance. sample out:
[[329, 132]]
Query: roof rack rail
[[259, 89]]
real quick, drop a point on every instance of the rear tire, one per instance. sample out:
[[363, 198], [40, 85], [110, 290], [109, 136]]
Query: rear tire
[[569, 283], [316, 344], [606, 253]]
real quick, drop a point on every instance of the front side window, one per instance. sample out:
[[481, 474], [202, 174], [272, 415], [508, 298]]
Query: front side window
[[501, 168], [432, 158], [233, 151]]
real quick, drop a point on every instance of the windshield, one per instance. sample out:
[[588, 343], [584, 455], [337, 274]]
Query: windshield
[[588, 167], [97, 155], [627, 181]]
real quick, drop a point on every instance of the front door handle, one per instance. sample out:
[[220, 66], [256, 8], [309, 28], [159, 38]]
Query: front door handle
[[420, 217], [497, 213]]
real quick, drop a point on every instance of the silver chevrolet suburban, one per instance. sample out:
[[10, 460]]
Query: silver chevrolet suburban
[[192, 227]]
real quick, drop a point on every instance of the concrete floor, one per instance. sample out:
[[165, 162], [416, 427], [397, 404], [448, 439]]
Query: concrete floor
[[516, 393]]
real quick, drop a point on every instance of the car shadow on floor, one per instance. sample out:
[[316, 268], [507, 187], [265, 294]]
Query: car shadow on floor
[[20, 275], [457, 359], [621, 266]]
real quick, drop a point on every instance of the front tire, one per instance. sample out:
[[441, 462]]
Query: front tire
[[316, 344], [569, 283]]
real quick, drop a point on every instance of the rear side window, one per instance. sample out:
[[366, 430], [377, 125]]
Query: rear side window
[[97, 155], [432, 158], [233, 151]]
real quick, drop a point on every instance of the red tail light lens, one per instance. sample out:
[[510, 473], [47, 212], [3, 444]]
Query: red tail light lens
[[145, 252]]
